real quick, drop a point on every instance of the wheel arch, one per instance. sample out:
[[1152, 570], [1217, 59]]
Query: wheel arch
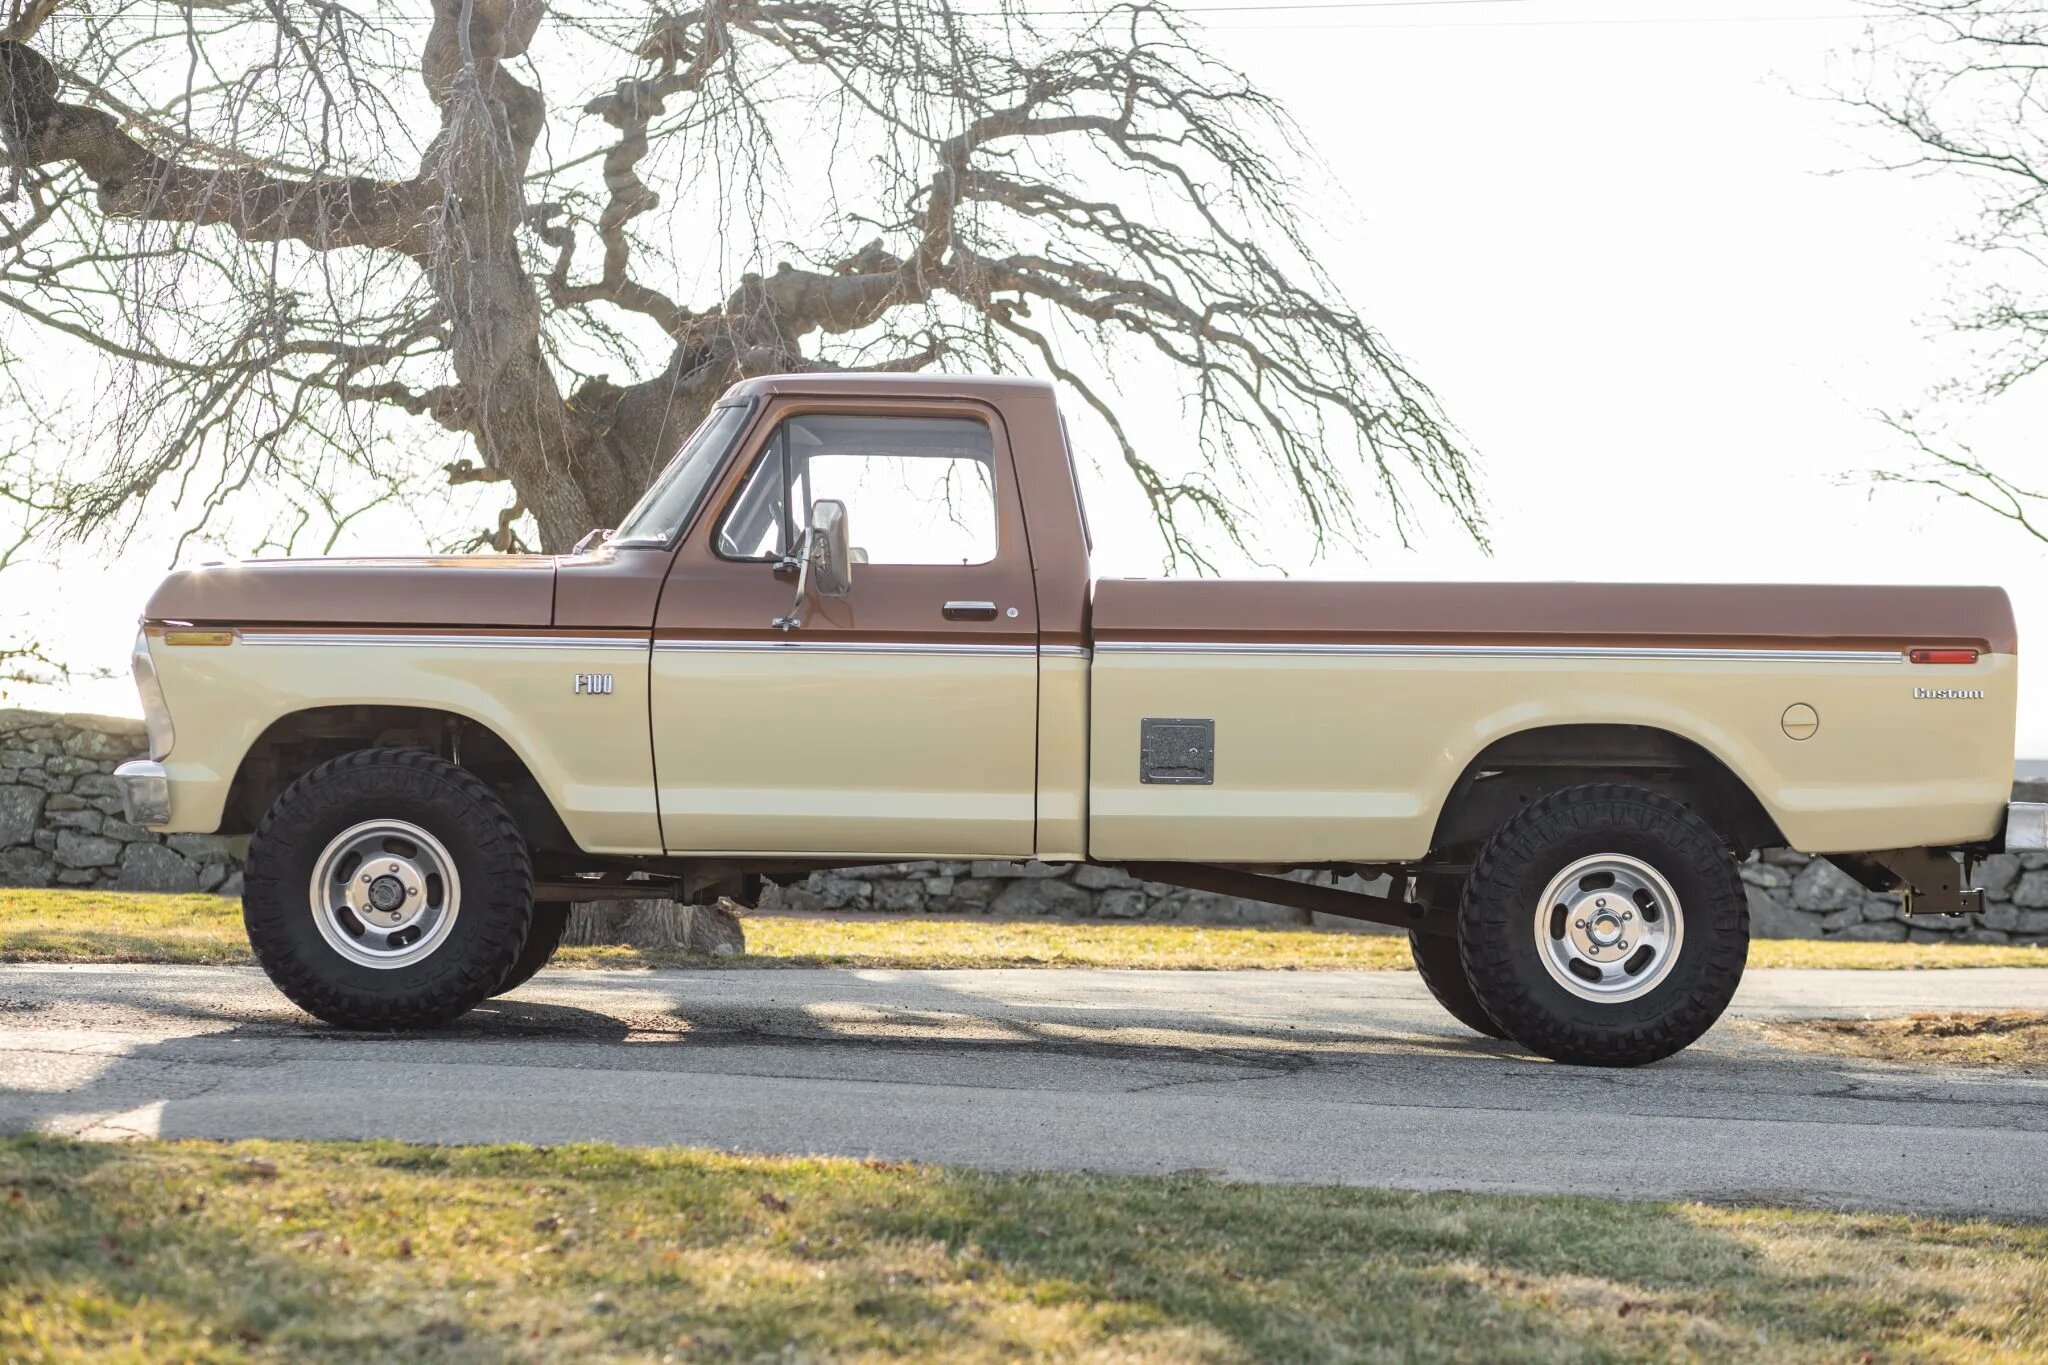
[[298, 741], [1525, 765]]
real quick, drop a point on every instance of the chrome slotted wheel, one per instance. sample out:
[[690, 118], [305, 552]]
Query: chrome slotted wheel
[[385, 894], [1609, 928]]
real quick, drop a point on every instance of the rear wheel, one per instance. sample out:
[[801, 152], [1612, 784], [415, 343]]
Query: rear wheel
[[1604, 925], [387, 888], [1442, 969]]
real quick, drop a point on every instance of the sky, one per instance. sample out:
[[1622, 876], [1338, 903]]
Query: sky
[[1643, 263]]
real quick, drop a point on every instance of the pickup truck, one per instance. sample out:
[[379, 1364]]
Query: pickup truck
[[853, 622]]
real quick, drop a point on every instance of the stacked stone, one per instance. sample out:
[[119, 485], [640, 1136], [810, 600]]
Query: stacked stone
[[1034, 890], [1790, 896], [1794, 896], [60, 813]]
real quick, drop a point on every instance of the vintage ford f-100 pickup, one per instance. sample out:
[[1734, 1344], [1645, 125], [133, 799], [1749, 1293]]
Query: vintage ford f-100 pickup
[[853, 622]]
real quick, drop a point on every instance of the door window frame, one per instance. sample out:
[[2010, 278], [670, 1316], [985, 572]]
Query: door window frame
[[769, 417]]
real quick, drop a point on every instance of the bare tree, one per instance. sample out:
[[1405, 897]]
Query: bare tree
[[292, 220], [1962, 85], [298, 237]]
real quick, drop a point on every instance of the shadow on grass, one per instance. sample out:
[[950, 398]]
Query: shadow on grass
[[336, 1251], [147, 1253]]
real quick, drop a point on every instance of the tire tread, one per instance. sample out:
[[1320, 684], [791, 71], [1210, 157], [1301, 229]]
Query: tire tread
[[1717, 931], [454, 982]]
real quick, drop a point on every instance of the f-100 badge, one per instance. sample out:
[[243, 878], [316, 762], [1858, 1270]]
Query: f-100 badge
[[593, 684]]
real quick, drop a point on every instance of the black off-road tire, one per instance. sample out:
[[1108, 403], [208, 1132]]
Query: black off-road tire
[[1503, 956], [493, 914], [1441, 966], [550, 922]]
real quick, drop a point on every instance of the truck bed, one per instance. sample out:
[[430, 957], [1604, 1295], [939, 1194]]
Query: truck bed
[[1342, 715]]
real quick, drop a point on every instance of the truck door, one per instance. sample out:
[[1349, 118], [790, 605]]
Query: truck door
[[897, 721]]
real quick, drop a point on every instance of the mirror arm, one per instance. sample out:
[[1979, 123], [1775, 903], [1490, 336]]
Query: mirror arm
[[803, 587]]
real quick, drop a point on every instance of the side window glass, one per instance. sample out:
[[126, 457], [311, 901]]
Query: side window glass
[[753, 527], [918, 490]]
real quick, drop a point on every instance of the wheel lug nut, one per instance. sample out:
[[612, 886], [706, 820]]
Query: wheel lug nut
[[1623, 945], [412, 891], [1601, 903], [1628, 914], [366, 879], [1578, 924]]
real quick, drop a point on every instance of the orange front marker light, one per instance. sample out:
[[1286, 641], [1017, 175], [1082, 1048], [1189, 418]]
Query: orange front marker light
[[1942, 656]]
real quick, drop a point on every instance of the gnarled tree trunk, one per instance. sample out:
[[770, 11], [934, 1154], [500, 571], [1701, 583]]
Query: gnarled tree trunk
[[712, 930]]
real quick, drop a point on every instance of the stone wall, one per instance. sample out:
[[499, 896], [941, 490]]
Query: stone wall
[[1790, 896], [60, 813], [61, 825]]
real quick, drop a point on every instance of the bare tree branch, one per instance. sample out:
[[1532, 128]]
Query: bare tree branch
[[305, 235], [1962, 87]]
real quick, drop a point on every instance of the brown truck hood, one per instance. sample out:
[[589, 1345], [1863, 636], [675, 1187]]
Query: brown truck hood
[[1601, 614], [448, 590]]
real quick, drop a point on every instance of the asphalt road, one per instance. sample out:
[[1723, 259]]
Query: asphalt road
[[1351, 1077]]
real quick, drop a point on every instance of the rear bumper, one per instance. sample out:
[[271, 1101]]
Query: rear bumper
[[145, 792], [2026, 827]]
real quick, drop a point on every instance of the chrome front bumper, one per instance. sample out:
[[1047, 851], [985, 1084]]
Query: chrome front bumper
[[2026, 826], [146, 792]]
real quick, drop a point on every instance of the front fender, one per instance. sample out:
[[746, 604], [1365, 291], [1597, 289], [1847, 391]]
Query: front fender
[[587, 748]]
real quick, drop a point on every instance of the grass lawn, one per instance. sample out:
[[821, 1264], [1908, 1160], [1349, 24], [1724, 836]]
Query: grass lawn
[[2016, 1039], [101, 926], [312, 1252]]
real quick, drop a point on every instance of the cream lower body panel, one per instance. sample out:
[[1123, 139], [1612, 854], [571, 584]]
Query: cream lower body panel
[[809, 750], [1338, 757], [588, 751], [1063, 755]]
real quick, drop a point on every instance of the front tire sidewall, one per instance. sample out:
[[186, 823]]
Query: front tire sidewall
[[1504, 957], [492, 919]]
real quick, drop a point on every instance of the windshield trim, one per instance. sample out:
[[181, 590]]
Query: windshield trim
[[673, 536]]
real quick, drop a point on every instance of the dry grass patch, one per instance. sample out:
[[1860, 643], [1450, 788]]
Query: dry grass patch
[[2015, 1039], [99, 926], [316, 1252]]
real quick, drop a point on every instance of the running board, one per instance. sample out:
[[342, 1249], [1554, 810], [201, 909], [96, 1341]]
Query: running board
[[581, 891], [1323, 900]]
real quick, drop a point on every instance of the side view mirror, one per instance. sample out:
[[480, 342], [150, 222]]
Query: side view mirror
[[831, 560], [824, 560]]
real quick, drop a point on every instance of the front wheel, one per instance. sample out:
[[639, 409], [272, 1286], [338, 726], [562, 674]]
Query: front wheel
[[550, 922], [388, 888], [1604, 925]]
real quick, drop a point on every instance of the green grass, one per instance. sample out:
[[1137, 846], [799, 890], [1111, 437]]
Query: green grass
[[100, 926], [345, 1252]]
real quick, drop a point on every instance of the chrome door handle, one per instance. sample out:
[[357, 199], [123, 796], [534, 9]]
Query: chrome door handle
[[970, 611]]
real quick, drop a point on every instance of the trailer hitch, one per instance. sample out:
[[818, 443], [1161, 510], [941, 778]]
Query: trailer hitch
[[1927, 881]]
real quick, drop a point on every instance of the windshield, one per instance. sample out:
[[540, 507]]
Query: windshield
[[660, 514]]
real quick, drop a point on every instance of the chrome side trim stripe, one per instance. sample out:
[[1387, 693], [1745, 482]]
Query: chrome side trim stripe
[[1396, 651], [832, 647], [427, 641], [1412, 651], [591, 642]]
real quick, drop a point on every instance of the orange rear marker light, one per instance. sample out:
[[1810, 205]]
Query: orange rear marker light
[[1942, 656]]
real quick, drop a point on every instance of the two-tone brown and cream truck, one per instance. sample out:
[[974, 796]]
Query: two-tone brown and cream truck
[[853, 622]]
